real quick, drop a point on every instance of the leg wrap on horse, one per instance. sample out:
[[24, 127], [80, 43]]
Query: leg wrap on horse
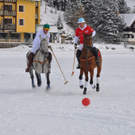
[[78, 54], [30, 60], [49, 58], [95, 53]]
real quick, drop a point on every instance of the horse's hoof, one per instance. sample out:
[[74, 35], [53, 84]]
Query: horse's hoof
[[48, 87], [81, 86], [39, 85], [93, 86], [34, 86], [85, 91], [97, 88]]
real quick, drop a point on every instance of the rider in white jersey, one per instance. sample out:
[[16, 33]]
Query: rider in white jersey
[[36, 44]]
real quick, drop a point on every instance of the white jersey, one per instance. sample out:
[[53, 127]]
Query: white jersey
[[36, 42]]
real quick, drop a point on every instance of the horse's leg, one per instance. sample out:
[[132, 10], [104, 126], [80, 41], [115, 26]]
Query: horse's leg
[[32, 77], [80, 79], [98, 75], [91, 78], [48, 80], [86, 82], [38, 79]]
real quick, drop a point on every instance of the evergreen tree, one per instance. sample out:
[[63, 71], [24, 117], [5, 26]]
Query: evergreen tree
[[74, 11], [133, 11], [68, 12], [59, 22], [123, 8], [102, 16]]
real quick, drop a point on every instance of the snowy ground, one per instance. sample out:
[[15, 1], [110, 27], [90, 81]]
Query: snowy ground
[[59, 111]]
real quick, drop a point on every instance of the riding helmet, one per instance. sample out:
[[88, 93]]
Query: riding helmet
[[81, 20]]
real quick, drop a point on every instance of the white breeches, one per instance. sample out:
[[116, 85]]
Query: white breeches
[[35, 48], [81, 47]]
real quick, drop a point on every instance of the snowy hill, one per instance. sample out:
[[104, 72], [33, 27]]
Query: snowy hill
[[51, 17]]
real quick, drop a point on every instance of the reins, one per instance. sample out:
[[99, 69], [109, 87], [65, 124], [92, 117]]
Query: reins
[[88, 48], [90, 58]]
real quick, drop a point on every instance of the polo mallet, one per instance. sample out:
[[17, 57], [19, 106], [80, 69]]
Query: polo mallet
[[58, 65], [73, 62]]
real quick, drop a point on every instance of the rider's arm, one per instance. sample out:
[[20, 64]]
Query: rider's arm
[[76, 36], [48, 35], [36, 43], [93, 33], [76, 40]]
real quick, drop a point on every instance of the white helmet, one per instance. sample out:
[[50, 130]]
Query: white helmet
[[81, 20]]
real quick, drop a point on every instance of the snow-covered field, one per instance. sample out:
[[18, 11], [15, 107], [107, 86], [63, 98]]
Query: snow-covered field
[[59, 111]]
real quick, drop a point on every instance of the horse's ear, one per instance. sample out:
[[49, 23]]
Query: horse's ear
[[83, 33]]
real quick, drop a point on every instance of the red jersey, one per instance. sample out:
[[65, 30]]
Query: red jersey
[[79, 32]]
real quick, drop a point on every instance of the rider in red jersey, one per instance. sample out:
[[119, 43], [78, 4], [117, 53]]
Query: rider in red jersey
[[83, 28]]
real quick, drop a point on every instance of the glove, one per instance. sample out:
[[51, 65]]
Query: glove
[[75, 46], [49, 47]]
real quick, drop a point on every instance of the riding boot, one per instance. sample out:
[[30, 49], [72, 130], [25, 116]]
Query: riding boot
[[95, 53], [49, 58], [30, 60], [78, 54]]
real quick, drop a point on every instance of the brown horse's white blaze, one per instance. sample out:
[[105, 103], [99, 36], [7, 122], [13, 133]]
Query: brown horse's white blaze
[[87, 64]]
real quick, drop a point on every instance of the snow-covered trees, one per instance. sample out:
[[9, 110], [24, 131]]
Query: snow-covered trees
[[74, 11], [133, 11], [59, 22], [123, 8], [102, 16]]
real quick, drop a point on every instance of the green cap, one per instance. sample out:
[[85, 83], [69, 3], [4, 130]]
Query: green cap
[[46, 26]]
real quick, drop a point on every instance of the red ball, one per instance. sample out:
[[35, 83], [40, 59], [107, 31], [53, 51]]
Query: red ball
[[86, 101]]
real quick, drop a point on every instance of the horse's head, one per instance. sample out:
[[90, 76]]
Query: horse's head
[[87, 40], [44, 46]]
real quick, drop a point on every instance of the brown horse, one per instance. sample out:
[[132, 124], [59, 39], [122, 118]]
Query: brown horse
[[88, 63]]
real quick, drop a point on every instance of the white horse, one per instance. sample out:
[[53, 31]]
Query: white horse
[[40, 64]]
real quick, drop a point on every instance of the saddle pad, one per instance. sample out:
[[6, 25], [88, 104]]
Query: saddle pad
[[98, 53]]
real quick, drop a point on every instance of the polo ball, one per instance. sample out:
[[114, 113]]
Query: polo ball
[[86, 101]]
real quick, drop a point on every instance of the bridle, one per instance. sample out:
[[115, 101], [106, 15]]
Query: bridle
[[89, 48], [44, 52]]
